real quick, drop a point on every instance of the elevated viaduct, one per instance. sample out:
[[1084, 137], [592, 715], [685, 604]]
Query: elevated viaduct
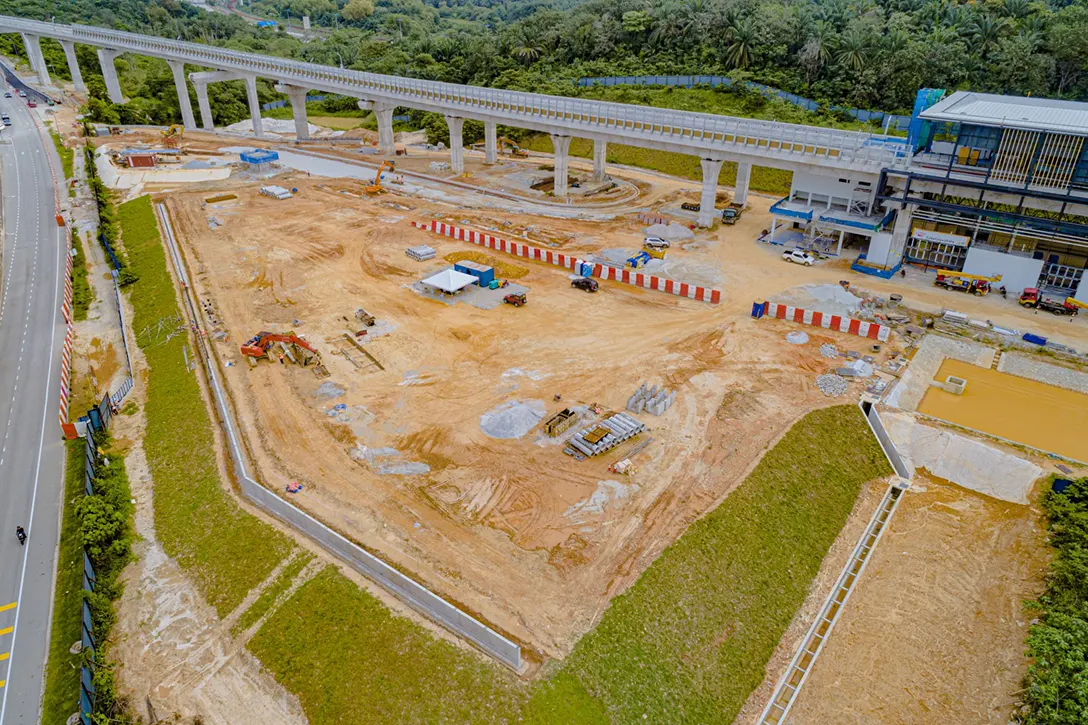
[[712, 138]]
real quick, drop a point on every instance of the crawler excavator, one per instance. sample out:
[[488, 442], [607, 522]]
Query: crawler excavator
[[171, 137], [293, 347], [376, 187]]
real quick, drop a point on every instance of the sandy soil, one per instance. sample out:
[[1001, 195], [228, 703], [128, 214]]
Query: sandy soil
[[934, 631], [512, 529]]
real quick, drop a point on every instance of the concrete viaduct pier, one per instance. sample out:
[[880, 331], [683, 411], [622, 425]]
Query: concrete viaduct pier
[[713, 139]]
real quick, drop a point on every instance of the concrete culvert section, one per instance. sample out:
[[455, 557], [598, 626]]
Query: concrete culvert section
[[512, 419]]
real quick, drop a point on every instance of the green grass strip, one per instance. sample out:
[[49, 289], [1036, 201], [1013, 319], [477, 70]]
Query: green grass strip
[[350, 660], [271, 593], [66, 155], [690, 640], [226, 551], [82, 292], [61, 695]]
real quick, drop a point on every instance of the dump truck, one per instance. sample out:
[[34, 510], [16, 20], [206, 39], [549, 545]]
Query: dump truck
[[1036, 299], [732, 213]]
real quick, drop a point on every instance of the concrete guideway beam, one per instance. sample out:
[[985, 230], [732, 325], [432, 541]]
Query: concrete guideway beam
[[297, 96], [491, 142], [73, 65], [712, 168], [457, 144], [744, 177], [109, 74], [561, 147], [600, 151], [178, 69], [383, 114], [33, 46]]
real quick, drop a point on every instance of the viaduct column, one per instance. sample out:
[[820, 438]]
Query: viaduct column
[[457, 144], [73, 65], [744, 175], [109, 74], [491, 142], [561, 145], [178, 69], [202, 101], [254, 106], [297, 95], [383, 114], [711, 169], [33, 46], [600, 150]]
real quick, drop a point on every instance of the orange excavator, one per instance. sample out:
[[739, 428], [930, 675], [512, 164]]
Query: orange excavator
[[260, 346], [515, 150], [376, 187]]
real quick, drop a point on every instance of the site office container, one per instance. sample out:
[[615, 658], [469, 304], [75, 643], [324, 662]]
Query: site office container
[[481, 272]]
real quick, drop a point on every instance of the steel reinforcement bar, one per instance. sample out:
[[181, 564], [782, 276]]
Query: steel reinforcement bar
[[399, 585]]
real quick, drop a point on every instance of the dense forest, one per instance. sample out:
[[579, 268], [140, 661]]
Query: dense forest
[[867, 53]]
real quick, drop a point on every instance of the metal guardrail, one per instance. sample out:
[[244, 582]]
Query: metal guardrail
[[400, 585], [701, 134], [86, 670]]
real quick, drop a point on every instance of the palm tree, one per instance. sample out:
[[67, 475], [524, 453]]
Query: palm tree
[[1017, 9], [987, 31], [853, 50], [743, 36]]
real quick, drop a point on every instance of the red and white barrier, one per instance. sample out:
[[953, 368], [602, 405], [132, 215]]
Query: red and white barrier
[[849, 325], [604, 271], [66, 382]]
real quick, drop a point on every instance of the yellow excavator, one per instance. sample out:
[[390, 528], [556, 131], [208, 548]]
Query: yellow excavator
[[172, 136], [516, 151], [376, 187]]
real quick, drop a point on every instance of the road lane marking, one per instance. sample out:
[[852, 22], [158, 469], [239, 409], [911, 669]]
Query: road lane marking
[[2, 683], [4, 656], [6, 607], [8, 630]]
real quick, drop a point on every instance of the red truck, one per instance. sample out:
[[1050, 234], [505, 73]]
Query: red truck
[[1035, 299]]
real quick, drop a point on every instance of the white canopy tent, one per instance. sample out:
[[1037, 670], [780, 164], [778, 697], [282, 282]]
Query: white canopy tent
[[450, 281]]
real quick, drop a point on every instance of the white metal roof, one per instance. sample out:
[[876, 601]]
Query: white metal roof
[[987, 109], [450, 280]]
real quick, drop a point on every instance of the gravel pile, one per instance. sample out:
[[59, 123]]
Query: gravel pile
[[512, 419], [1029, 366], [829, 350], [832, 385], [797, 337]]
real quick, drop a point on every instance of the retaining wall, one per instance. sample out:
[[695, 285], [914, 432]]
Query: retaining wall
[[579, 266], [849, 325]]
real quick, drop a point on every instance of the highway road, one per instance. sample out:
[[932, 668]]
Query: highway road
[[31, 449]]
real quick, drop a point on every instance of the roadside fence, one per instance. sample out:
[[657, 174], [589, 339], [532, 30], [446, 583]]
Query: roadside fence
[[89, 654]]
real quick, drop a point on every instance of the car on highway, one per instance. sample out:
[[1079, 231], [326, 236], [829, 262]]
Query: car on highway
[[798, 256], [585, 283], [6, 119], [7, 95], [22, 94], [31, 104]]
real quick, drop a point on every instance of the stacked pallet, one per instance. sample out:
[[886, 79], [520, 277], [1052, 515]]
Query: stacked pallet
[[422, 253], [606, 435]]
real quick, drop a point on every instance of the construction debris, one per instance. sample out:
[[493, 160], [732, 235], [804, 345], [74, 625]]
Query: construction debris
[[797, 337], [832, 385], [828, 350], [650, 400], [421, 253], [617, 428]]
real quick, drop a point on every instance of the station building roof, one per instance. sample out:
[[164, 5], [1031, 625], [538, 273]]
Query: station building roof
[[988, 109]]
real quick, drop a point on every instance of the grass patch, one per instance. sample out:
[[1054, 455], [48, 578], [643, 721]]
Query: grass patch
[[226, 551], [271, 593], [502, 269], [82, 292], [349, 659], [684, 166], [690, 640], [66, 154], [61, 695]]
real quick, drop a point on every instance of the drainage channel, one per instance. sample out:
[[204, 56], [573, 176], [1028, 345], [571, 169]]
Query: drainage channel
[[786, 693]]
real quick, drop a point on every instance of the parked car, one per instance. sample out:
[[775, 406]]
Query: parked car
[[798, 256], [655, 243], [585, 283]]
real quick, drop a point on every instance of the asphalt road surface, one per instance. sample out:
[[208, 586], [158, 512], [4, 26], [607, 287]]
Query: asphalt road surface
[[31, 449]]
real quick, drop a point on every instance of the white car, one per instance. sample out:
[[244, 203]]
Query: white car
[[22, 94], [799, 257], [655, 243]]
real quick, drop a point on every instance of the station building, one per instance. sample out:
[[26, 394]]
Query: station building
[[987, 185]]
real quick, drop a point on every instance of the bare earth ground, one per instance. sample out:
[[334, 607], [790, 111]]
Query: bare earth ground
[[935, 629]]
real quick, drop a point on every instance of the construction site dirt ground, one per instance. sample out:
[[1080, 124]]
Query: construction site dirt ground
[[530, 539], [934, 631]]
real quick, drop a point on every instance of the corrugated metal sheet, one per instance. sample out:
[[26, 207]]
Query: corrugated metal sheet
[[1038, 114]]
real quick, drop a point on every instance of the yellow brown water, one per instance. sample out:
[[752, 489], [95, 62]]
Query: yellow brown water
[[1025, 411]]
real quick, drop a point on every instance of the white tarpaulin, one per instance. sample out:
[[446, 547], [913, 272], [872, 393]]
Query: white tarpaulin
[[450, 280], [961, 460]]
